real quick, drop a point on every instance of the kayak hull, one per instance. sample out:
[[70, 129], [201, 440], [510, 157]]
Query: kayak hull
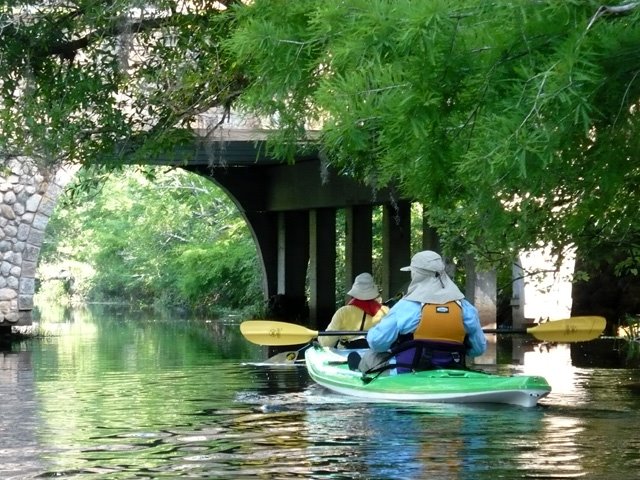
[[328, 368]]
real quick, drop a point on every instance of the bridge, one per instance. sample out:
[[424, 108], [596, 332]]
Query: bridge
[[290, 210]]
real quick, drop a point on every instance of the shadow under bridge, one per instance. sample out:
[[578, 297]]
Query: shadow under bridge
[[291, 210]]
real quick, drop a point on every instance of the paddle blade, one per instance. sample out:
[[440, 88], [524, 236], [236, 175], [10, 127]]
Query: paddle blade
[[283, 358], [574, 329], [268, 332]]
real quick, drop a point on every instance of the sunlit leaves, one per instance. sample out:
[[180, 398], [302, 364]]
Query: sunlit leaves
[[81, 77], [160, 236], [466, 106]]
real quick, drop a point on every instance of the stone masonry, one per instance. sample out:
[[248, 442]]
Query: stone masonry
[[27, 199]]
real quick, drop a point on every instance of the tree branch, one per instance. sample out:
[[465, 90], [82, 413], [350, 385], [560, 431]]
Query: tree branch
[[615, 10], [119, 27]]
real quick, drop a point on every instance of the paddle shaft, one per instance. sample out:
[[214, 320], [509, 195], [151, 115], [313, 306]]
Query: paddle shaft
[[506, 330], [487, 330]]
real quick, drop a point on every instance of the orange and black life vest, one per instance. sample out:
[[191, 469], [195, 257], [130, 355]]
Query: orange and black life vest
[[437, 342]]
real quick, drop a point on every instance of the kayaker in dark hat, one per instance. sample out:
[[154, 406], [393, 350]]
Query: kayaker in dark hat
[[432, 326], [361, 312]]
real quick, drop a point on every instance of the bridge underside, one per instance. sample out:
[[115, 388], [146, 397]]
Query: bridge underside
[[292, 211]]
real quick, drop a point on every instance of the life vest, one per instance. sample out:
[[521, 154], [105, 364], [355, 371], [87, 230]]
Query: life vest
[[437, 342], [441, 323]]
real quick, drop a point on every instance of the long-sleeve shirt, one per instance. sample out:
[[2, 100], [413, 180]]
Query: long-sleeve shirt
[[404, 318], [349, 317]]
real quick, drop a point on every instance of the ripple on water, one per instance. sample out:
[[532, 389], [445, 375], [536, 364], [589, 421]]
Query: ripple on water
[[170, 406]]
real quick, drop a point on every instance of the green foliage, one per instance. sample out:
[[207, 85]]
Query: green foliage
[[514, 123], [83, 81], [224, 273], [163, 237]]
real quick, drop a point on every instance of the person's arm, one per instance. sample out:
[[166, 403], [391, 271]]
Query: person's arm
[[402, 318], [476, 340]]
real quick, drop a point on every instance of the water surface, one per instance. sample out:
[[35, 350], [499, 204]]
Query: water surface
[[130, 396]]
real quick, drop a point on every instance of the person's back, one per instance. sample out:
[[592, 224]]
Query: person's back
[[432, 326], [362, 312]]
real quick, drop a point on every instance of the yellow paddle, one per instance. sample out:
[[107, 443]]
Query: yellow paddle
[[574, 329]]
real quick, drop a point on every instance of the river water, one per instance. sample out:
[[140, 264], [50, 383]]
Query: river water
[[128, 396]]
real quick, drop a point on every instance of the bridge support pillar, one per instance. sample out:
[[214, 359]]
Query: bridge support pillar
[[358, 243], [396, 246], [264, 228], [28, 196], [293, 259], [430, 239], [322, 266], [481, 290]]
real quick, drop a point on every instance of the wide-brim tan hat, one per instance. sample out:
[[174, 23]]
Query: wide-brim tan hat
[[429, 280], [426, 260], [364, 288]]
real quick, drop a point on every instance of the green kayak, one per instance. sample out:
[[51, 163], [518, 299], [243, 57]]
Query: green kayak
[[328, 368]]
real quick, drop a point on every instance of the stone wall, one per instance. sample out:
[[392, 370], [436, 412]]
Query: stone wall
[[27, 199]]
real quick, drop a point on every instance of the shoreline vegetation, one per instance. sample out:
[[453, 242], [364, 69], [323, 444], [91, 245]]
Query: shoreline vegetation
[[159, 238]]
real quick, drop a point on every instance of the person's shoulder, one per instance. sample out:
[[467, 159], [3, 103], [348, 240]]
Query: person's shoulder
[[466, 303], [468, 308], [350, 307], [405, 306], [346, 309], [407, 303]]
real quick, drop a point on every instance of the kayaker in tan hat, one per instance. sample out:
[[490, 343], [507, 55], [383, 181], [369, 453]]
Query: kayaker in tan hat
[[361, 312], [432, 326]]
